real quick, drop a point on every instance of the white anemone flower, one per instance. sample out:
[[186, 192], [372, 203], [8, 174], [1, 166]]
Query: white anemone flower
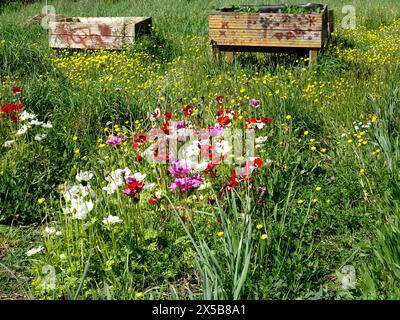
[[81, 208], [73, 192], [50, 230], [149, 186], [84, 176], [22, 130], [8, 143], [261, 140], [112, 220], [110, 188], [34, 251], [139, 176], [116, 179], [40, 137], [259, 125], [25, 115], [35, 122]]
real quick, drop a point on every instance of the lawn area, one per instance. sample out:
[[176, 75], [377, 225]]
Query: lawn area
[[155, 173]]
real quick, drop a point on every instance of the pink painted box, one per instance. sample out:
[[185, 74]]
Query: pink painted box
[[113, 33]]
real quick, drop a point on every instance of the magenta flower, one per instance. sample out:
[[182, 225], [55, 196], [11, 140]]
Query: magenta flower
[[179, 168], [134, 187], [180, 125], [186, 183], [254, 103], [115, 140], [215, 131]]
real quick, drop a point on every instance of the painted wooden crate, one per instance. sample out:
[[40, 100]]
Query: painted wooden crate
[[231, 30], [97, 32]]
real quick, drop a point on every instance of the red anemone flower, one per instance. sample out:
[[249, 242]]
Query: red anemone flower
[[188, 110], [233, 179], [12, 108], [224, 120], [210, 168], [168, 116], [16, 90], [153, 200], [265, 120], [142, 137], [166, 128], [134, 188], [258, 162]]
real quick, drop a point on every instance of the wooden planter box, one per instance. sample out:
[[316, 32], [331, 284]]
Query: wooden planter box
[[265, 31], [97, 33]]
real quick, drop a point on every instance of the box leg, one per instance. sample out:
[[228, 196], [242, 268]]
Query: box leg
[[215, 53], [313, 56], [230, 56]]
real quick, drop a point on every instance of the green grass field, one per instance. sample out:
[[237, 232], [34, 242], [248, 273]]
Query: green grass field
[[318, 218]]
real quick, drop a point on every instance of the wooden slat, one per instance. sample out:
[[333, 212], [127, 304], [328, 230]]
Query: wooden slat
[[111, 20], [270, 43], [236, 13], [223, 25], [216, 34], [101, 29], [266, 21], [90, 42]]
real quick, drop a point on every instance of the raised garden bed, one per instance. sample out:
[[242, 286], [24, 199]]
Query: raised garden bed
[[97, 32], [270, 28]]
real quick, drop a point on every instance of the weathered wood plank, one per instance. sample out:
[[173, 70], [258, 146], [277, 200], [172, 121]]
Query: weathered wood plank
[[101, 29], [89, 42], [282, 35], [266, 21], [272, 14], [271, 43]]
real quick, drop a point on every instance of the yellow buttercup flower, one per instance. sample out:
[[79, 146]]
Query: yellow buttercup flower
[[139, 295], [259, 226], [264, 236], [41, 200], [220, 234]]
